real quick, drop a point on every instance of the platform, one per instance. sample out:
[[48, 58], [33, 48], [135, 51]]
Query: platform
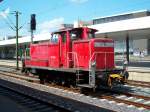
[[9, 63], [139, 73]]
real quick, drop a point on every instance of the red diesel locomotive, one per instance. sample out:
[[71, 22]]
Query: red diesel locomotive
[[75, 57]]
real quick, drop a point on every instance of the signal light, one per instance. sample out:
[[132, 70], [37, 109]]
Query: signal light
[[33, 22]]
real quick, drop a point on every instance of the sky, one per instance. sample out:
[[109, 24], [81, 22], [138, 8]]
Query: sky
[[51, 13]]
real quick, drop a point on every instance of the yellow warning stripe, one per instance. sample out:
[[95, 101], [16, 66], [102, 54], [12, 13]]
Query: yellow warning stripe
[[115, 76]]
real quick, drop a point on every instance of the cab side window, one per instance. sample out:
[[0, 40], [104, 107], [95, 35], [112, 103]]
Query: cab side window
[[64, 37], [75, 35], [91, 34], [54, 38]]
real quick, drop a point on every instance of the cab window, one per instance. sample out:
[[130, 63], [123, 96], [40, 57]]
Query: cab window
[[109, 44], [103, 44], [91, 34], [75, 34], [64, 37], [54, 38]]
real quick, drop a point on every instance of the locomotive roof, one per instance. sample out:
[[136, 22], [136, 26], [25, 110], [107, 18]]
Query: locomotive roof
[[72, 29]]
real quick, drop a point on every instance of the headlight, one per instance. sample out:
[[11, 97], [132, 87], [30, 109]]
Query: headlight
[[93, 63]]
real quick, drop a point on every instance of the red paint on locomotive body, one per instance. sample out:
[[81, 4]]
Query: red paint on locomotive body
[[75, 48], [76, 53], [99, 50], [104, 53]]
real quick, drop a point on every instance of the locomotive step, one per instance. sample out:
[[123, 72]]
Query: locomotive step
[[80, 79], [80, 74], [84, 85]]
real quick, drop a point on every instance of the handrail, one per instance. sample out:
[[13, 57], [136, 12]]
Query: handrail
[[25, 54], [92, 76], [75, 54], [96, 57]]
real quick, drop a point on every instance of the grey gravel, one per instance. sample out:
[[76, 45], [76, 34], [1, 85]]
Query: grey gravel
[[138, 90]]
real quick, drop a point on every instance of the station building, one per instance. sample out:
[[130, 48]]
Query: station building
[[131, 32]]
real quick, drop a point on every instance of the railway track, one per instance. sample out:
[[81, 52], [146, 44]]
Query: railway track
[[30, 103], [37, 94], [117, 96], [129, 100], [20, 75], [122, 97], [139, 83]]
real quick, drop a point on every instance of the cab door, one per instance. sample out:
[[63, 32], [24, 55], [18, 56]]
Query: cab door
[[63, 49]]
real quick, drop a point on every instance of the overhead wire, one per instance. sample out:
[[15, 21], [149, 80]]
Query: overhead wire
[[10, 21], [11, 27]]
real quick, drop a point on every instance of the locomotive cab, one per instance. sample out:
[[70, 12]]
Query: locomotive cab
[[66, 39]]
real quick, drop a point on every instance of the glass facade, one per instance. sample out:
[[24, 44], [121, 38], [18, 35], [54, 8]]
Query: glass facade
[[120, 17], [138, 50], [112, 19]]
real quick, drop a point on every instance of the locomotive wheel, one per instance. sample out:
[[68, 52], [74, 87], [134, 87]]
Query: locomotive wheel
[[83, 90], [63, 83], [23, 70], [42, 79], [27, 72]]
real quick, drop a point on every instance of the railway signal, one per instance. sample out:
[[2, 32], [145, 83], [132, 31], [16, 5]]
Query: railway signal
[[1, 0], [32, 25]]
